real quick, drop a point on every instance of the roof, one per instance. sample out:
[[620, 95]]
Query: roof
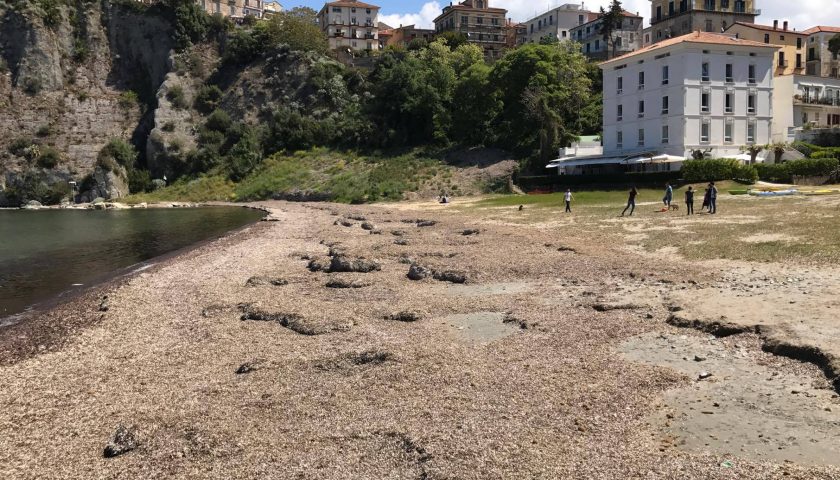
[[821, 28], [696, 37], [350, 3], [768, 28]]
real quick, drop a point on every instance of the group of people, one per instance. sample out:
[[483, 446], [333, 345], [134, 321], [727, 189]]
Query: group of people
[[709, 199]]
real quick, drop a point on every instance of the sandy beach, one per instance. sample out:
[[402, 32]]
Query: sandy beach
[[520, 351]]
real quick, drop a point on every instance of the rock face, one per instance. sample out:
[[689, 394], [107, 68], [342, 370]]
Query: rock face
[[66, 85], [107, 185]]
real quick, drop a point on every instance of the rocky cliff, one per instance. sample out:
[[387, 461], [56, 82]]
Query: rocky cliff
[[75, 75]]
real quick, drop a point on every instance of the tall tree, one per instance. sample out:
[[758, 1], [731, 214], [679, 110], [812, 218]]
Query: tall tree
[[611, 24], [834, 45]]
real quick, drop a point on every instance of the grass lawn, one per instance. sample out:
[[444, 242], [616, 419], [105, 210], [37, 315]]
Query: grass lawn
[[802, 229]]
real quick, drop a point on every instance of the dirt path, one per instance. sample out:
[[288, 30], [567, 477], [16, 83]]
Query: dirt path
[[244, 359]]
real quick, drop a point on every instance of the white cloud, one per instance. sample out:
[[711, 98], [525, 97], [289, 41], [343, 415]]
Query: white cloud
[[424, 19], [801, 15]]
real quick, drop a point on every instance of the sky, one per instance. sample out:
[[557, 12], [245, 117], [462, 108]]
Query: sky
[[422, 12]]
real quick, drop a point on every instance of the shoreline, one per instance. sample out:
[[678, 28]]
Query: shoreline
[[222, 376], [96, 287]]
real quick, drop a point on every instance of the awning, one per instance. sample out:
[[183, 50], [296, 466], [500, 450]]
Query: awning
[[661, 158], [581, 161]]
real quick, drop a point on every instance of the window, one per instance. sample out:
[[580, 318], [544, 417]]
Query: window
[[619, 114], [465, 19], [641, 108], [724, 4], [709, 27], [750, 131], [709, 5], [665, 75], [704, 131], [641, 137], [641, 80], [671, 8], [665, 105], [620, 85], [782, 63], [704, 75], [727, 131], [730, 102], [705, 102], [353, 9], [658, 13], [798, 43], [729, 77], [751, 103], [751, 74], [479, 20], [580, 19], [798, 60], [664, 134], [597, 45], [766, 38], [619, 139]]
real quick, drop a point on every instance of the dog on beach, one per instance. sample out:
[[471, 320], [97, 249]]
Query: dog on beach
[[673, 206]]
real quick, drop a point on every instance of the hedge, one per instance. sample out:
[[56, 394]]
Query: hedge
[[809, 167], [694, 171], [561, 182]]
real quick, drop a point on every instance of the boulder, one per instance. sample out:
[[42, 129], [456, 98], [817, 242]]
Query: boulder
[[450, 276], [418, 272], [341, 263], [122, 441]]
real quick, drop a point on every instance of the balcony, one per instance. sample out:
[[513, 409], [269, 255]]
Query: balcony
[[831, 101]]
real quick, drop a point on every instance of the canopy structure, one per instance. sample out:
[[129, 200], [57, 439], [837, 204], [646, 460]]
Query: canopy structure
[[639, 158], [654, 158]]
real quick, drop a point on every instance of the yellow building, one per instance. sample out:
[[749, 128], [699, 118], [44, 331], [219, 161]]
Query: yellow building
[[791, 58], [673, 18]]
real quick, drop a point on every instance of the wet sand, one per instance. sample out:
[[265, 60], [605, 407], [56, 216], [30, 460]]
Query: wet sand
[[541, 365]]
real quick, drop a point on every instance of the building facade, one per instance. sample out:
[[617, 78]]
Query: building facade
[[555, 23], [820, 61], [404, 35], [483, 26], [627, 39], [233, 8], [701, 91], [350, 24], [672, 18], [790, 58]]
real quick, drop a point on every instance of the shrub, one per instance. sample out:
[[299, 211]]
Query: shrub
[[139, 181], [128, 99], [115, 153], [813, 167], [48, 158], [218, 121], [177, 96], [774, 172], [81, 52], [208, 98], [717, 169], [19, 145], [244, 156], [43, 131], [804, 148], [32, 86], [243, 47], [191, 22], [52, 12], [168, 127]]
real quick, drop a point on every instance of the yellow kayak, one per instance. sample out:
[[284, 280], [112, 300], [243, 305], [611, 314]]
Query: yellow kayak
[[822, 192]]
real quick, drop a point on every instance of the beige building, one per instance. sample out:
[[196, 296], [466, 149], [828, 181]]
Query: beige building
[[404, 35], [820, 61], [672, 18], [483, 26], [350, 24], [627, 38], [555, 23], [790, 59], [233, 8]]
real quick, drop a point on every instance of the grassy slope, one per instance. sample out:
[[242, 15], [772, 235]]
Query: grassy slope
[[348, 177]]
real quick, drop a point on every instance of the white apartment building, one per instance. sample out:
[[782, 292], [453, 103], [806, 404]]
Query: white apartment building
[[350, 24], [555, 23], [233, 8], [700, 91]]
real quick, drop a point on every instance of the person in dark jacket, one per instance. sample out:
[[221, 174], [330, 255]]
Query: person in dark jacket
[[706, 199], [712, 198], [631, 201], [689, 201]]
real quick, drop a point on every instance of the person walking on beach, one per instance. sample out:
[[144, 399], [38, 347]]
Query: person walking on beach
[[568, 198], [712, 198], [689, 201], [631, 201], [669, 195]]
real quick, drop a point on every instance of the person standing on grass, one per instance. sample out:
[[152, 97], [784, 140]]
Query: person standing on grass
[[705, 200], [631, 201], [568, 198], [689, 201], [669, 195], [712, 198]]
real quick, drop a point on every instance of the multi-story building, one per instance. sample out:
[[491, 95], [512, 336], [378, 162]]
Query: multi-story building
[[627, 38], [404, 35], [555, 23], [700, 91], [820, 61], [515, 34], [790, 58], [271, 8], [482, 25], [233, 8], [672, 18], [350, 24]]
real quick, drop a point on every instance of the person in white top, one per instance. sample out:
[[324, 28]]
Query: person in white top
[[568, 197]]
